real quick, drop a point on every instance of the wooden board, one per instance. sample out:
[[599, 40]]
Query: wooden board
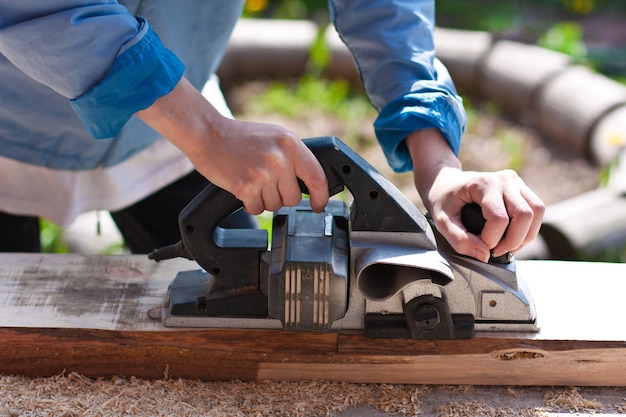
[[88, 314]]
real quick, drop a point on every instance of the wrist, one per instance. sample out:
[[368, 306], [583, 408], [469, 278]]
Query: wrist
[[431, 154], [185, 118]]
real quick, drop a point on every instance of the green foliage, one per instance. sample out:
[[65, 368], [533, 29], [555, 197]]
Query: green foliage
[[567, 38], [51, 237], [52, 241], [471, 113], [307, 93], [318, 95], [514, 146], [319, 54], [489, 15], [115, 249], [264, 220]]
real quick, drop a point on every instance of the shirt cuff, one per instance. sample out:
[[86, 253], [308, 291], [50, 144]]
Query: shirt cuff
[[138, 77], [412, 112]]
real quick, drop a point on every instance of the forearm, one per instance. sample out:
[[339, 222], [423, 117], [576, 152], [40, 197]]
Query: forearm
[[430, 154]]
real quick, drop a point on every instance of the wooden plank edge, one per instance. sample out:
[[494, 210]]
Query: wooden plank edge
[[254, 355]]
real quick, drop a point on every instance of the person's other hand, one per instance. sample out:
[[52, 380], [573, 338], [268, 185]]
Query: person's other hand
[[507, 203]]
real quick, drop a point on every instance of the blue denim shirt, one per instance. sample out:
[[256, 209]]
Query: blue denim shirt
[[128, 67]]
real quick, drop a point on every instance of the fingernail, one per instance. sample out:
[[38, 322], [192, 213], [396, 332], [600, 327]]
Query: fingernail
[[497, 254]]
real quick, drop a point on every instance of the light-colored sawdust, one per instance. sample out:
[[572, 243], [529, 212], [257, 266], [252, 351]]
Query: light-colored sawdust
[[554, 400], [75, 395], [477, 408]]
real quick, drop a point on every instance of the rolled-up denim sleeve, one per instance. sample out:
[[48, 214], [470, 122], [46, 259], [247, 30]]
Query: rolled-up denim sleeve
[[138, 77], [109, 63], [392, 42]]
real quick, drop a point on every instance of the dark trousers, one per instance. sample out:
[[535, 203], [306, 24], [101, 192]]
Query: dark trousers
[[146, 225]]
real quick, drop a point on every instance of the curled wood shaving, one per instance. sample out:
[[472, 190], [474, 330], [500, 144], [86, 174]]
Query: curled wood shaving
[[519, 355]]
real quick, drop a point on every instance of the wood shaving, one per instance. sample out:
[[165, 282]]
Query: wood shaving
[[461, 389], [570, 400], [519, 355]]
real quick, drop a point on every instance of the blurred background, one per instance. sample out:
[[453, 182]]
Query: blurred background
[[592, 31]]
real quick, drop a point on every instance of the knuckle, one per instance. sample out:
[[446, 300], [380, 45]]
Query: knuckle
[[539, 209], [287, 141], [478, 184], [526, 214], [501, 217]]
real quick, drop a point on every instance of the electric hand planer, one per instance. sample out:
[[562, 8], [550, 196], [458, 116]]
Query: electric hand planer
[[377, 266]]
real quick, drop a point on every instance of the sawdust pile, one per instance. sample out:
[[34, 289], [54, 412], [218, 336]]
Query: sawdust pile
[[74, 395]]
